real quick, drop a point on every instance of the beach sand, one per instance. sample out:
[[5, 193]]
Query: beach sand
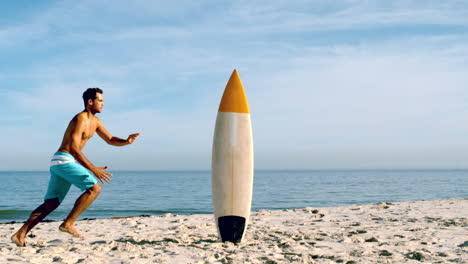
[[399, 232]]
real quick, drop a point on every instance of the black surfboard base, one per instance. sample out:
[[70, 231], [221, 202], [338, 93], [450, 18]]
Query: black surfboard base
[[231, 228]]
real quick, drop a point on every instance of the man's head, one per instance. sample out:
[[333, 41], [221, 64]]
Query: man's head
[[93, 100]]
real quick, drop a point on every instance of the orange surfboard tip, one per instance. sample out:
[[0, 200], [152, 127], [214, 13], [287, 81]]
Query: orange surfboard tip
[[234, 99]]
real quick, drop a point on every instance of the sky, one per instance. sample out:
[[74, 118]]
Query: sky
[[331, 84]]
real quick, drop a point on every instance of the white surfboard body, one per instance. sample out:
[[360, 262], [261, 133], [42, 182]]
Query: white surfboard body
[[232, 163]]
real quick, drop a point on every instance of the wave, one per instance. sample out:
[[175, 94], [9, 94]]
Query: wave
[[22, 215], [150, 212]]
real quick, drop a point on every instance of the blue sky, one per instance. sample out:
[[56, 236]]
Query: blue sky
[[331, 84]]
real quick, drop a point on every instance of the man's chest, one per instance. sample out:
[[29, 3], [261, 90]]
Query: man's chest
[[89, 130]]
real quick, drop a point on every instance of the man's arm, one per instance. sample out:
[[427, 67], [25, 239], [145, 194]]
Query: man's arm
[[76, 137], [111, 140]]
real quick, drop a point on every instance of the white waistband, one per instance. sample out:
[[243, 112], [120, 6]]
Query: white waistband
[[58, 162], [62, 157]]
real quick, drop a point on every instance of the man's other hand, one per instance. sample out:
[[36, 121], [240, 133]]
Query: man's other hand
[[102, 175]]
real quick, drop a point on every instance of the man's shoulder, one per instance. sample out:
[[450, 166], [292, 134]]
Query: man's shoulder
[[97, 120], [84, 117], [80, 116]]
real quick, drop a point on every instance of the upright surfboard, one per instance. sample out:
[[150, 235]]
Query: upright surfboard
[[232, 163]]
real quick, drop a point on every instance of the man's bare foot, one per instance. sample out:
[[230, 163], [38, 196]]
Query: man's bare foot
[[71, 230], [18, 240]]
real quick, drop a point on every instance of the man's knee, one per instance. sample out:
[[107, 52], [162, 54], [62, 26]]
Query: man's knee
[[51, 204], [95, 189]]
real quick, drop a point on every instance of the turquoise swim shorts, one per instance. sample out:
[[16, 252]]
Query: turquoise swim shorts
[[65, 171]]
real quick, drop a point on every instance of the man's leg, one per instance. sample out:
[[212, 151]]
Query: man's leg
[[36, 216], [83, 202]]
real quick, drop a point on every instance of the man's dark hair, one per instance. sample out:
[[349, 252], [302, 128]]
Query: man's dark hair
[[90, 93]]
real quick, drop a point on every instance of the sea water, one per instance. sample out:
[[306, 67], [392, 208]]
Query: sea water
[[189, 192]]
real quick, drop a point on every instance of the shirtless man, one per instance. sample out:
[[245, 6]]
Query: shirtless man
[[70, 166]]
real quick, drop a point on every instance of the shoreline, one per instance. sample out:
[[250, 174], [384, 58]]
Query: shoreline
[[8, 222], [388, 232]]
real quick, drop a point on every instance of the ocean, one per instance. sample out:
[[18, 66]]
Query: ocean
[[189, 192]]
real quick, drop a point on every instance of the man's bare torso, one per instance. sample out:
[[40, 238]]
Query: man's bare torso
[[91, 124]]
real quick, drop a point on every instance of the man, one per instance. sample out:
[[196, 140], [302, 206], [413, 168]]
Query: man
[[70, 166]]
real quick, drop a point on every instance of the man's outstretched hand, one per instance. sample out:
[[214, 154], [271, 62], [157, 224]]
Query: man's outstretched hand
[[132, 138]]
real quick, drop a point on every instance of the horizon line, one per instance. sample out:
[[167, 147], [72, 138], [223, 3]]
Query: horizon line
[[275, 170]]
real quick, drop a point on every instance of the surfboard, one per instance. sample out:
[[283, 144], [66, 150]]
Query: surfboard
[[232, 163]]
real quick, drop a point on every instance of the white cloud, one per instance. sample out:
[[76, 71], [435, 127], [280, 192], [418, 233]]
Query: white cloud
[[101, 21]]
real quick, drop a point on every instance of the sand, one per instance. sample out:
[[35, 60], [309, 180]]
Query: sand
[[399, 232]]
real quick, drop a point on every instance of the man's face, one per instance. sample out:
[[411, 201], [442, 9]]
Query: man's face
[[98, 103]]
